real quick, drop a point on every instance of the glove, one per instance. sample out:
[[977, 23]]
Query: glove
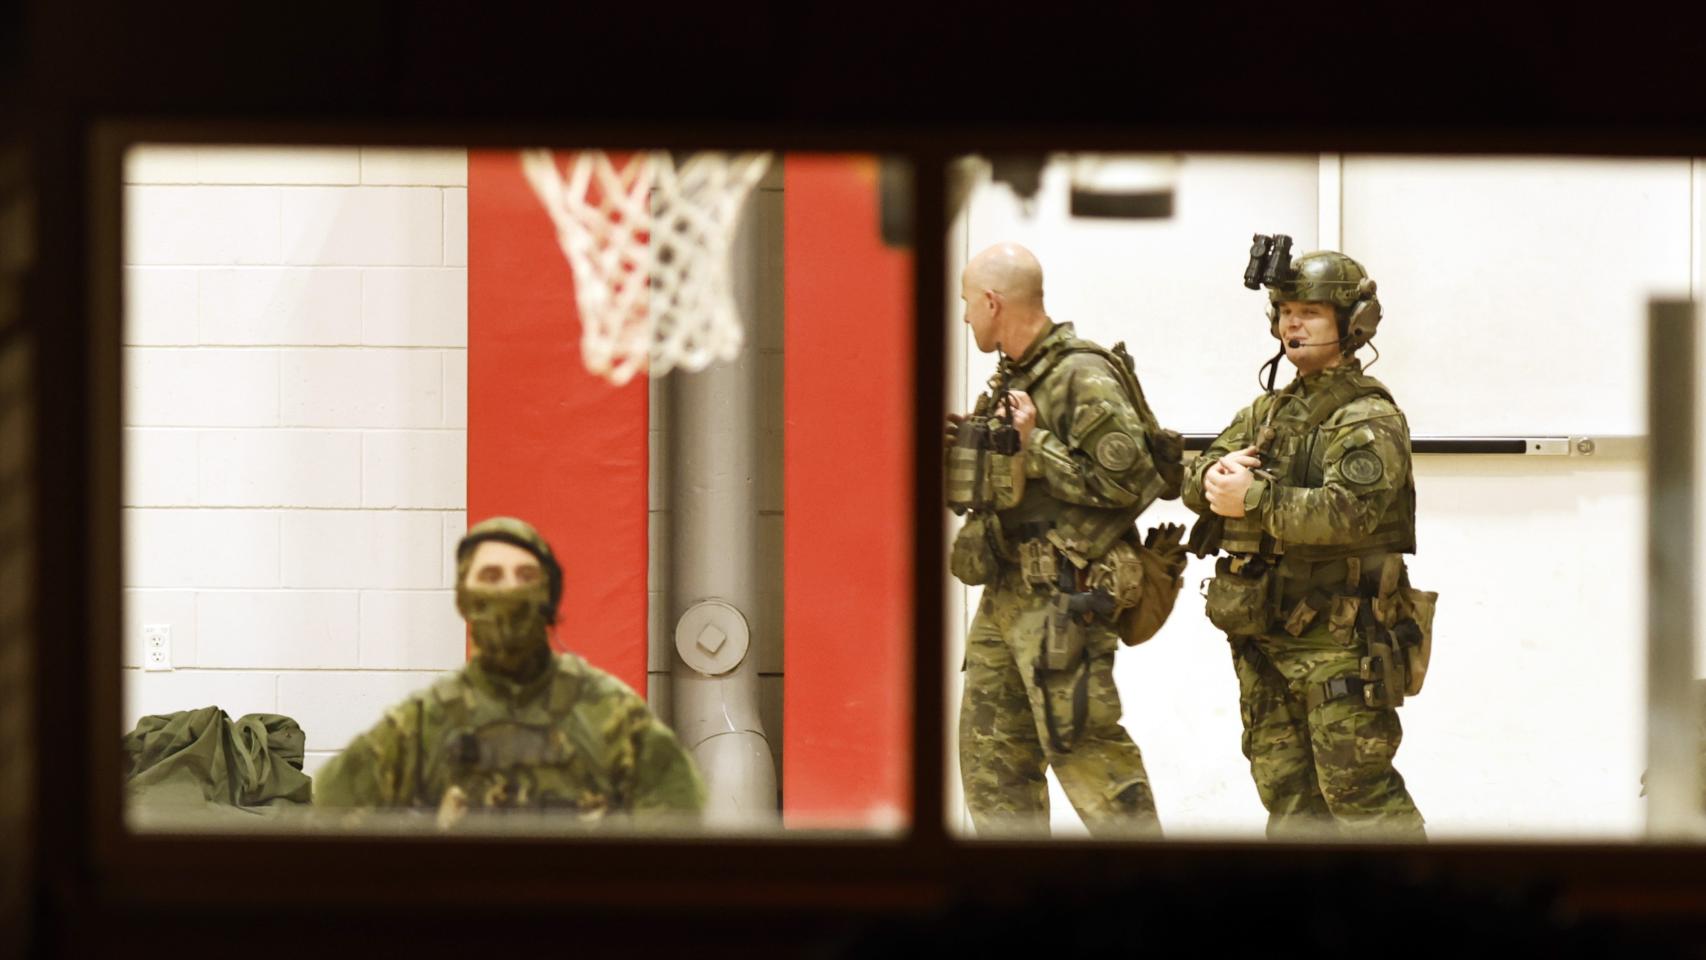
[[1165, 542]]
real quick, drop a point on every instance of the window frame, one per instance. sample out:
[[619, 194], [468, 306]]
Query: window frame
[[925, 868]]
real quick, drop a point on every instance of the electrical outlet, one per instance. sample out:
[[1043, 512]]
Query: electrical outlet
[[157, 646]]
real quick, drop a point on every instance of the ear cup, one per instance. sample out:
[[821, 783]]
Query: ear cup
[[1273, 319], [1365, 317]]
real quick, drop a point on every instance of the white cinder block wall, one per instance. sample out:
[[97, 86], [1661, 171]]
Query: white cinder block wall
[[295, 428]]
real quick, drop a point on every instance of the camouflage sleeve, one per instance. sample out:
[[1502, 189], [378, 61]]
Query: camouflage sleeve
[[665, 778], [374, 769], [653, 773], [1237, 435], [1093, 451], [1367, 463]]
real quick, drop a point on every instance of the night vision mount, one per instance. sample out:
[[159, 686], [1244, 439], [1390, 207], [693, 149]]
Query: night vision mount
[[1270, 261]]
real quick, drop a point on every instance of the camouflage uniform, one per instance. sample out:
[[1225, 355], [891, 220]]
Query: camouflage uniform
[[518, 727], [573, 739], [1088, 474], [1337, 501]]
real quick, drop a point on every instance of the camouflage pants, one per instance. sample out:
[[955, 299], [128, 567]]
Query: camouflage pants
[[1331, 766], [1005, 717]]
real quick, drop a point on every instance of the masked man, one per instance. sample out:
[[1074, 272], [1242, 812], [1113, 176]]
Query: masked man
[[519, 727], [1310, 496]]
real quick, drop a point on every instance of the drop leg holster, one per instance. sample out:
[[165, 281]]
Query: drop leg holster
[[1381, 679], [1066, 647]]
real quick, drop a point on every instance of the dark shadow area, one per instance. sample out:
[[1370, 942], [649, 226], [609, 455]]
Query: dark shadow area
[[913, 79]]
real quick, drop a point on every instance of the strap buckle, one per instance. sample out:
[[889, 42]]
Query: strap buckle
[[1337, 688]]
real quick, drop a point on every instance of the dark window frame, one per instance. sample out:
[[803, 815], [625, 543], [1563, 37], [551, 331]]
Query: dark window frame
[[924, 870]]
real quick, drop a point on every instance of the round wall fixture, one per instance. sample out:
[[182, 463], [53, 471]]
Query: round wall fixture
[[712, 637]]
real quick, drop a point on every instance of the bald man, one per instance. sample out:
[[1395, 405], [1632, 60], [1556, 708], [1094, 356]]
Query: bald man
[[1050, 537]]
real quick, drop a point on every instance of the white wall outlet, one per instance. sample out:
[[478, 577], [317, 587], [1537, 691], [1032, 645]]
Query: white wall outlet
[[156, 646]]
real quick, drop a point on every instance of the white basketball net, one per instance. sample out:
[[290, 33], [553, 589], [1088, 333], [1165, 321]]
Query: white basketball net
[[649, 247]]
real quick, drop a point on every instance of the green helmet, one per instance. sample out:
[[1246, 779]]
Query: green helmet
[[519, 533], [1328, 276]]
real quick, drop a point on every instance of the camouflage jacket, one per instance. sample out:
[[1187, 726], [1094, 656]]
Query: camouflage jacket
[[1340, 489], [1088, 468], [575, 739]]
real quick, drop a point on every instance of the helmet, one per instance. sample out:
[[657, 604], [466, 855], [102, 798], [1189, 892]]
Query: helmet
[[1331, 277], [520, 533]]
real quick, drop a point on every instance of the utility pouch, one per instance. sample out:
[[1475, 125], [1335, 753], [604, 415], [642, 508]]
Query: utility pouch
[[1382, 670], [968, 481], [1161, 567], [1307, 611], [1237, 603], [972, 559], [1039, 563], [1119, 573], [1064, 638], [1415, 635]]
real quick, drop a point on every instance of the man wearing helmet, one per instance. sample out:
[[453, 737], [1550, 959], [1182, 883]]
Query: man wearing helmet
[[519, 727], [1309, 494]]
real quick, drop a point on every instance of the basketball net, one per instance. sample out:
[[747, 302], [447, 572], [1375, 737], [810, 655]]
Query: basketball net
[[649, 245]]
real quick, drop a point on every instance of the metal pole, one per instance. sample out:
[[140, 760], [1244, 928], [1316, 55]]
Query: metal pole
[[1673, 791], [714, 437], [716, 573]]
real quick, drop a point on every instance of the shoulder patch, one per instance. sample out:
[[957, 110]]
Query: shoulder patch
[[1362, 466], [1116, 451]]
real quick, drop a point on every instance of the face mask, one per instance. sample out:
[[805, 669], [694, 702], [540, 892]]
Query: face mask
[[508, 625]]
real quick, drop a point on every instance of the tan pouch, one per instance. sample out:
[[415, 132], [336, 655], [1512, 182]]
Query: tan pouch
[[1159, 573], [1119, 572], [972, 558], [1238, 604], [1419, 608], [1064, 639], [1038, 562]]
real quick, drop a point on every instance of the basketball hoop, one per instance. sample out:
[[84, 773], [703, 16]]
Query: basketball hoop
[[649, 246]]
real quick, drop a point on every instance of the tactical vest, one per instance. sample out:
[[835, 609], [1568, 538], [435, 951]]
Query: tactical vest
[[539, 756], [1298, 458], [1091, 530]]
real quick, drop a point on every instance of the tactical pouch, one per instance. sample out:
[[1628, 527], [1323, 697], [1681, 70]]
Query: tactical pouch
[[1160, 568], [1119, 573], [1064, 639], [1416, 635], [1039, 563], [1382, 669], [972, 559], [1238, 603], [968, 479], [1307, 612]]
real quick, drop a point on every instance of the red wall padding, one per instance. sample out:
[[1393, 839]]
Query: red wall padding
[[547, 441], [847, 471]]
